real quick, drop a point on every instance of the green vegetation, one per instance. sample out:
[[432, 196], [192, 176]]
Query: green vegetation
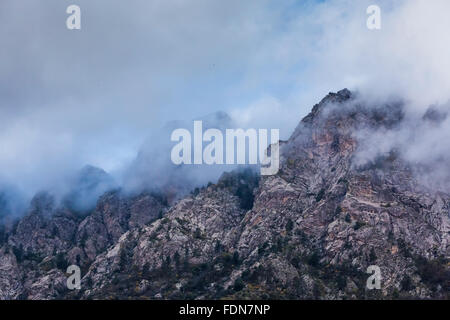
[[320, 195], [434, 272], [348, 218], [241, 183], [358, 225], [372, 256], [61, 262], [289, 225]]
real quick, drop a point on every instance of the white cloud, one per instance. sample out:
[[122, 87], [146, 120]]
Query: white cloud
[[68, 98]]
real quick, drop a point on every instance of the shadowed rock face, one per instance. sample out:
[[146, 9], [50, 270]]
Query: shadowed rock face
[[88, 186], [49, 238], [310, 231]]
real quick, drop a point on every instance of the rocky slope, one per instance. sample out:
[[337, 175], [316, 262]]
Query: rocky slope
[[37, 250], [310, 231]]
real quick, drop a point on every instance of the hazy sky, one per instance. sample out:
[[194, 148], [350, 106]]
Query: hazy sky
[[72, 97]]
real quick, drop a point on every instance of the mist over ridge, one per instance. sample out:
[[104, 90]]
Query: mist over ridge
[[68, 100]]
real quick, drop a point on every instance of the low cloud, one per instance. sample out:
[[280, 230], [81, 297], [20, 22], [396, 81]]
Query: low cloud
[[94, 96]]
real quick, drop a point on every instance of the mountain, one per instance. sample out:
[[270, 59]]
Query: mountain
[[36, 253], [311, 231], [87, 186]]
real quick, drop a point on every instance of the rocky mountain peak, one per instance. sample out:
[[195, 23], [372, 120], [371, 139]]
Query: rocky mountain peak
[[311, 231]]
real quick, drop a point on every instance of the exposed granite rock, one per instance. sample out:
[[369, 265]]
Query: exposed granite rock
[[312, 231], [50, 238]]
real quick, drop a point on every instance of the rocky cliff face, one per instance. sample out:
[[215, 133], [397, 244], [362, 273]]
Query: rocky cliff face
[[39, 248], [310, 231]]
